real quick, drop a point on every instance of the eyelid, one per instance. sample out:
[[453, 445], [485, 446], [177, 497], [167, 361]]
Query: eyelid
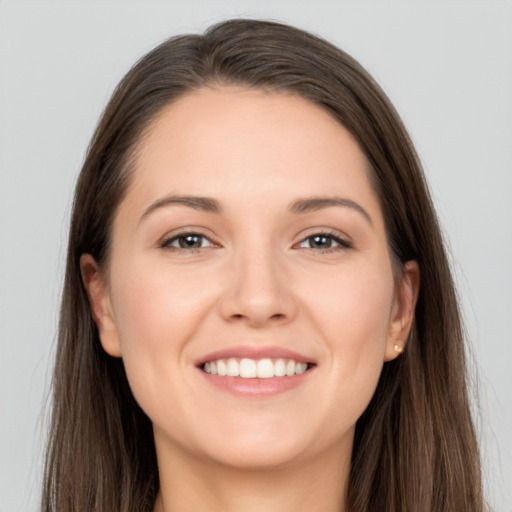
[[344, 241], [170, 242], [165, 241]]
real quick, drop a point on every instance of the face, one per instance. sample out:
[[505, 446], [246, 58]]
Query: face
[[250, 244]]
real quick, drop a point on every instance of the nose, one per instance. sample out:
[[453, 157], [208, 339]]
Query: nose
[[258, 291]]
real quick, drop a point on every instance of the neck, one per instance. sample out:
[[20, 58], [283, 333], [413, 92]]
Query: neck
[[193, 484]]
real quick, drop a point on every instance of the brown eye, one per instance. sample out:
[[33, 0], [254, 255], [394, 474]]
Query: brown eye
[[188, 241], [320, 242]]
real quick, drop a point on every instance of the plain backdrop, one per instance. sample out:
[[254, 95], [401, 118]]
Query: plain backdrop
[[446, 65]]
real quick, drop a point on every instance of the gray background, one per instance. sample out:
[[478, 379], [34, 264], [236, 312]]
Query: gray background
[[447, 66]]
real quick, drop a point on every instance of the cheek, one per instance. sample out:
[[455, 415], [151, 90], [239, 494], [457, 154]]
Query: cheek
[[157, 314], [355, 306], [354, 320], [155, 306]]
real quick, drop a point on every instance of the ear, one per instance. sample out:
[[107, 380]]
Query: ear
[[402, 315], [101, 307]]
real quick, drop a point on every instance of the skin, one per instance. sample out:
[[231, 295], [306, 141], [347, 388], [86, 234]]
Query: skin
[[257, 280]]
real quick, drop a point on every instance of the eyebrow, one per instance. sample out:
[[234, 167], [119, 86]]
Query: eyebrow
[[204, 204], [311, 204], [300, 206]]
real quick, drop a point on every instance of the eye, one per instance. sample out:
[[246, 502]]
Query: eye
[[187, 241], [324, 241]]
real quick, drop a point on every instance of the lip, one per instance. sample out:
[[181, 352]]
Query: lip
[[255, 352], [256, 388]]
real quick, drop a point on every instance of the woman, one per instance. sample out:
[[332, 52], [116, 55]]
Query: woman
[[243, 325]]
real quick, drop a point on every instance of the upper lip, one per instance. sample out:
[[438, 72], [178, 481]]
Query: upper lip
[[254, 352]]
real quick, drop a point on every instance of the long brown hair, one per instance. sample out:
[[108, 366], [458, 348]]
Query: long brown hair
[[415, 447]]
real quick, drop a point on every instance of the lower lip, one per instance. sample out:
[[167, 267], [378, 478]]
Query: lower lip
[[256, 387]]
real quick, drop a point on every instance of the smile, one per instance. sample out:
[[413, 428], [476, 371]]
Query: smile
[[247, 368], [256, 371]]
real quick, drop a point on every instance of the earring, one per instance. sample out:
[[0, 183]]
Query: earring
[[398, 349]]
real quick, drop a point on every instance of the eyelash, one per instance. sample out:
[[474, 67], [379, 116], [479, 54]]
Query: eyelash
[[341, 243], [166, 244]]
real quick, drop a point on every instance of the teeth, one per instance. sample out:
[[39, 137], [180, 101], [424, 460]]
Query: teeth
[[221, 368], [300, 368], [233, 368], [250, 368], [280, 368], [265, 369], [247, 368]]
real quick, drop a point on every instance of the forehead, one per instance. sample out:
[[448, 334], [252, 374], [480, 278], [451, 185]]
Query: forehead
[[230, 142]]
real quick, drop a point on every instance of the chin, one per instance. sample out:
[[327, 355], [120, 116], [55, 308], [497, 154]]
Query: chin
[[262, 444], [253, 456]]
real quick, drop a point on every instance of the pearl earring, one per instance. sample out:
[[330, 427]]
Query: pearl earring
[[398, 349]]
